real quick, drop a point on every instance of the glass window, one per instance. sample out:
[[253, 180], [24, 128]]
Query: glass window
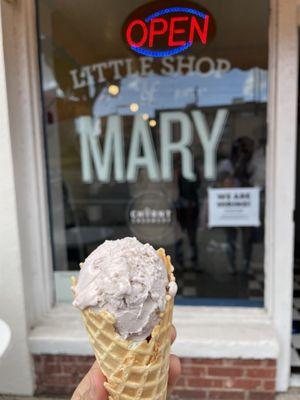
[[155, 127]]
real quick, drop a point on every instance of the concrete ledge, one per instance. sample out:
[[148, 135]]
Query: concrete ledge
[[201, 333]]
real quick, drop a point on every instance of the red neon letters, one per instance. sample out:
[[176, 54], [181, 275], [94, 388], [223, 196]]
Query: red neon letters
[[177, 30], [158, 27], [142, 27]]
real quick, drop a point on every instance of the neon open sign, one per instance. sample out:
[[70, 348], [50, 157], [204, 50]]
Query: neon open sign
[[161, 29]]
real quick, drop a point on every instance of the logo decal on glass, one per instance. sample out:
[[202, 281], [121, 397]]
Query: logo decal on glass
[[161, 29], [150, 215]]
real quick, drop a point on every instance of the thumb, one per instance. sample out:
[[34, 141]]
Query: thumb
[[92, 386]]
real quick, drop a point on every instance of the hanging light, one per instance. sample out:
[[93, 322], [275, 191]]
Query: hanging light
[[152, 123], [134, 107], [113, 90]]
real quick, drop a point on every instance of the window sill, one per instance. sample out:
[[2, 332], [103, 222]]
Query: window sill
[[201, 333]]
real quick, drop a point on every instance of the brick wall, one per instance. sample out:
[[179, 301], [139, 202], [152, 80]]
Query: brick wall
[[201, 378]]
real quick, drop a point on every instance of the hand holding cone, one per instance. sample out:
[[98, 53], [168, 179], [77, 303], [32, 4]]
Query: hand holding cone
[[134, 370]]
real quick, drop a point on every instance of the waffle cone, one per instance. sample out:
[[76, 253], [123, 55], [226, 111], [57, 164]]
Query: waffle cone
[[134, 370]]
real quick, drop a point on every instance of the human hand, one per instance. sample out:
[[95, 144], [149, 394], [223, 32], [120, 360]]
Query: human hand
[[92, 385]]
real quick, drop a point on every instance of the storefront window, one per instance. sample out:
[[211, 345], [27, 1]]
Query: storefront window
[[157, 129]]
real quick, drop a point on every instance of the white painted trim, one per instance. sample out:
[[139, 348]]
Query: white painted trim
[[45, 280], [16, 374], [199, 334], [28, 156], [281, 161]]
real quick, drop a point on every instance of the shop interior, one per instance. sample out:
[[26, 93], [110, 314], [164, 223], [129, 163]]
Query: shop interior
[[214, 265]]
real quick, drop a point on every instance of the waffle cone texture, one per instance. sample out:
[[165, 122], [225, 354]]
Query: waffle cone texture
[[134, 370]]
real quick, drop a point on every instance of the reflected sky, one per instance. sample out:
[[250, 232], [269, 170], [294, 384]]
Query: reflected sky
[[156, 92]]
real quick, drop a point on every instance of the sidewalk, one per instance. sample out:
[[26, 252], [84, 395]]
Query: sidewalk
[[293, 394]]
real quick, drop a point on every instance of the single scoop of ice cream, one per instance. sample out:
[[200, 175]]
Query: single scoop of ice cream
[[129, 280]]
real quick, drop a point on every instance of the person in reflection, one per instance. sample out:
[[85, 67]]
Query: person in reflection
[[235, 172], [187, 212]]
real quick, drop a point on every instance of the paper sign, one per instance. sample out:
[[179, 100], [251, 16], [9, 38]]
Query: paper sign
[[233, 207]]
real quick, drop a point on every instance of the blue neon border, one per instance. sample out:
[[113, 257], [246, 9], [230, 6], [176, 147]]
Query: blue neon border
[[163, 53], [175, 9], [172, 52]]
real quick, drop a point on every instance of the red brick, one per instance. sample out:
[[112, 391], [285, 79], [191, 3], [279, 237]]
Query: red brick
[[55, 391], [181, 382], [49, 360], [56, 385], [228, 383], [75, 368], [205, 383], [58, 380], [225, 371], [269, 385], [39, 362], [202, 379], [256, 363], [53, 368], [263, 373], [190, 394], [212, 361], [261, 396], [246, 384], [68, 358], [190, 361], [270, 363], [85, 359], [193, 370], [226, 394]]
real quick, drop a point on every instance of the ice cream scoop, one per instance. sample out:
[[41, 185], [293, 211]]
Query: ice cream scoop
[[129, 280]]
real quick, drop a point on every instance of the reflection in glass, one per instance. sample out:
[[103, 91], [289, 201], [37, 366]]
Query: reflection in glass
[[134, 144]]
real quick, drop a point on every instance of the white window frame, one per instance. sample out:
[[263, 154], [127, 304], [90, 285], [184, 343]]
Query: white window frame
[[29, 164], [281, 178]]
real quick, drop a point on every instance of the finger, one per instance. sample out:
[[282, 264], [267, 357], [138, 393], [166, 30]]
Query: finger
[[98, 380], [92, 386], [174, 370], [173, 334]]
